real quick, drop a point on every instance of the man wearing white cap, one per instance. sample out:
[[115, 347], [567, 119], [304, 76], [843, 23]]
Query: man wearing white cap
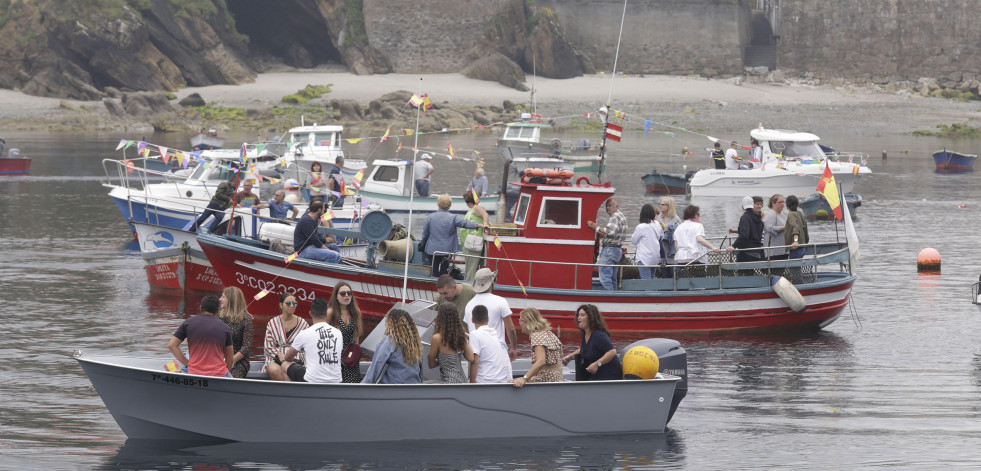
[[498, 311], [423, 170]]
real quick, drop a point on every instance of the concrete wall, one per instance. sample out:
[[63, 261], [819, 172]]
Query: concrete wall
[[682, 37], [882, 41], [427, 36]]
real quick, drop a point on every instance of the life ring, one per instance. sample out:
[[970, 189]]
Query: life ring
[[582, 179], [549, 173]]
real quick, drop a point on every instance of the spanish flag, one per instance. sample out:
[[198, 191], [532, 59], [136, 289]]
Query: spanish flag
[[829, 190], [172, 366]]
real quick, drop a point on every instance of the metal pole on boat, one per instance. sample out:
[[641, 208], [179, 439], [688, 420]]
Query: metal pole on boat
[[408, 229], [609, 100]]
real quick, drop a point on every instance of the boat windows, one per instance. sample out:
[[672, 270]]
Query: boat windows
[[560, 213], [521, 133], [221, 174], [386, 174], [198, 172], [522, 210], [323, 138], [796, 149]]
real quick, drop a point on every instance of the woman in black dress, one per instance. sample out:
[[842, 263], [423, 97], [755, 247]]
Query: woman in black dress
[[343, 313], [599, 356]]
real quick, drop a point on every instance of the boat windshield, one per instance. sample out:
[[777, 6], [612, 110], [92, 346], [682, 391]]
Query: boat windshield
[[522, 133], [323, 138], [797, 149], [522, 210]]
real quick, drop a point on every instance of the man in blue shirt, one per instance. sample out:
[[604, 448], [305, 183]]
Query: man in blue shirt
[[478, 183], [308, 242], [278, 206]]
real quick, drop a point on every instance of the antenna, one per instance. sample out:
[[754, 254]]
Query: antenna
[[609, 101], [408, 229]]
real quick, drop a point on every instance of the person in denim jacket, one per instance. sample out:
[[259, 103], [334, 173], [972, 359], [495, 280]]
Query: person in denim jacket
[[398, 358]]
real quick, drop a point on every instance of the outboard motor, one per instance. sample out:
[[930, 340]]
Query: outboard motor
[[672, 360]]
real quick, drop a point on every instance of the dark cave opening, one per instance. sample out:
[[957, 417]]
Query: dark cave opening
[[292, 31]]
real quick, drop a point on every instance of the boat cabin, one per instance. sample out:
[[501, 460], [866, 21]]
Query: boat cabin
[[389, 177], [320, 143], [523, 132], [549, 226], [788, 145]]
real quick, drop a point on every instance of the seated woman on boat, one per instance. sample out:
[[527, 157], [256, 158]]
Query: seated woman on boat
[[280, 333], [597, 357], [234, 312], [448, 344], [546, 348], [344, 314], [689, 239], [398, 359], [439, 234], [647, 238], [315, 185]]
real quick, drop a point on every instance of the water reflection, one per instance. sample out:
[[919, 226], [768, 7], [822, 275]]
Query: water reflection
[[634, 451]]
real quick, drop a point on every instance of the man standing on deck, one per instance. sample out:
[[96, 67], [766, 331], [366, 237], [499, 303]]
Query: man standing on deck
[[209, 342], [613, 234], [423, 171], [451, 292], [732, 157], [498, 311]]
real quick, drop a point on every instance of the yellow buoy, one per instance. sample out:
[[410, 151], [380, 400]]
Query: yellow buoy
[[928, 260], [821, 215], [640, 363]]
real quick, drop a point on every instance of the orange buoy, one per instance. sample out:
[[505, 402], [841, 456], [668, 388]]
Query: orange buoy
[[928, 260]]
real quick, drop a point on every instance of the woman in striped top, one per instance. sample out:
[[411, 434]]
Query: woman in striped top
[[280, 332]]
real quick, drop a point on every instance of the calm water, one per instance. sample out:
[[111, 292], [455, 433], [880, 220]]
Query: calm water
[[894, 383]]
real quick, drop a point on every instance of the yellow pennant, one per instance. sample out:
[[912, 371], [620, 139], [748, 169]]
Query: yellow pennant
[[354, 140], [328, 215], [273, 180], [522, 285], [289, 258], [172, 366], [476, 200], [408, 132], [497, 242]]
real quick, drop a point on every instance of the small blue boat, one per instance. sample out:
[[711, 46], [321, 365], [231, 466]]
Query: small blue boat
[[657, 183], [949, 161]]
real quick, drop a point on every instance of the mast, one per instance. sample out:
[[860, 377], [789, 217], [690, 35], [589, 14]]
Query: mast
[[609, 100], [408, 229]]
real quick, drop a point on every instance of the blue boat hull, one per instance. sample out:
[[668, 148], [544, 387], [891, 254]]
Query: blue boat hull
[[953, 162]]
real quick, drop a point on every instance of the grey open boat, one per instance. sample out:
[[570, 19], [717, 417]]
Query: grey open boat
[[149, 403]]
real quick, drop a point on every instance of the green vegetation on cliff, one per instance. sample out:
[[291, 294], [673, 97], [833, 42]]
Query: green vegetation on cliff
[[354, 29], [306, 94]]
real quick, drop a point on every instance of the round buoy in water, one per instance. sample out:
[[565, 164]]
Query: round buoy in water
[[928, 260], [821, 215], [640, 363]]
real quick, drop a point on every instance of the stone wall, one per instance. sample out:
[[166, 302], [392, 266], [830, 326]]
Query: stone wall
[[427, 36], [882, 41], [680, 37]]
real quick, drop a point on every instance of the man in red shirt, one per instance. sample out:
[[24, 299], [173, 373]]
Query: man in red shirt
[[209, 342]]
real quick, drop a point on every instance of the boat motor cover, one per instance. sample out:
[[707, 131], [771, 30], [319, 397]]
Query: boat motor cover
[[672, 359]]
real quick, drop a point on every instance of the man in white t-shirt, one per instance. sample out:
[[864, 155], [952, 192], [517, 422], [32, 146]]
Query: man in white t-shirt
[[423, 171], [490, 363], [321, 343], [498, 311], [732, 157]]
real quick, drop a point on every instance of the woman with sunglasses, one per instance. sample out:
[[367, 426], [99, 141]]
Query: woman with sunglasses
[[280, 332], [343, 313]]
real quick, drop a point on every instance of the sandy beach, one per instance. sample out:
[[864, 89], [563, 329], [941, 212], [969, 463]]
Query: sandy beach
[[732, 104]]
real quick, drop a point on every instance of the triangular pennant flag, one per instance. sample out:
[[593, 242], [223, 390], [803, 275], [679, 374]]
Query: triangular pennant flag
[[385, 137], [292, 256], [354, 140], [163, 152], [497, 242], [647, 125], [122, 143], [140, 146], [180, 160], [146, 152], [522, 285], [242, 156], [166, 157], [399, 148], [357, 179], [408, 132], [327, 216], [476, 200], [449, 147], [264, 292]]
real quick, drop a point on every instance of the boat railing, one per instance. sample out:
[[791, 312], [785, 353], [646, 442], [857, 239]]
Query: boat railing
[[720, 271], [130, 174], [850, 157]]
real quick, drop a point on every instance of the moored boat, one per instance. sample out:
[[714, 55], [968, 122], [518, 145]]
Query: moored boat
[[522, 143], [174, 261], [657, 183], [13, 163], [390, 185], [813, 205], [949, 161], [207, 140], [546, 260], [792, 164]]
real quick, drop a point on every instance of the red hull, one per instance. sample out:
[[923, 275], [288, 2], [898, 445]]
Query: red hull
[[624, 311], [14, 166], [183, 276]]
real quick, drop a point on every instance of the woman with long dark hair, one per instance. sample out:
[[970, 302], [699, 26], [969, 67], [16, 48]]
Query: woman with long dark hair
[[597, 353], [280, 333], [398, 358], [343, 313], [448, 344]]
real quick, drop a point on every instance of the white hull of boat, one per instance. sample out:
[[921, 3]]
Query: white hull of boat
[[150, 403], [765, 182]]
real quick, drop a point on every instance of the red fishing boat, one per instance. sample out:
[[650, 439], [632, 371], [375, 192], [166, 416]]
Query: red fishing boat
[[14, 163], [546, 259]]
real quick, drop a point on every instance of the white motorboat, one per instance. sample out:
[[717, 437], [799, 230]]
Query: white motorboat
[[522, 143], [304, 145], [792, 164], [391, 182]]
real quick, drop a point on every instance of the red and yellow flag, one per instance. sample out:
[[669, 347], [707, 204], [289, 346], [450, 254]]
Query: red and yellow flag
[[172, 366], [449, 147], [358, 177], [829, 190], [264, 292], [497, 242], [289, 258]]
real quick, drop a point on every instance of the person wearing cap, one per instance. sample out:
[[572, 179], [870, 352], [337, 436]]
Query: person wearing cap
[[321, 344], [498, 311], [424, 169], [750, 231], [613, 234], [732, 157]]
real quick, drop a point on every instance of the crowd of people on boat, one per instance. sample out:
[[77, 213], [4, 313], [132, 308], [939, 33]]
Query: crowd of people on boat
[[472, 324]]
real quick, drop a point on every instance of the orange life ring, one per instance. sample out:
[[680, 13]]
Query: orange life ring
[[549, 173], [534, 172]]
